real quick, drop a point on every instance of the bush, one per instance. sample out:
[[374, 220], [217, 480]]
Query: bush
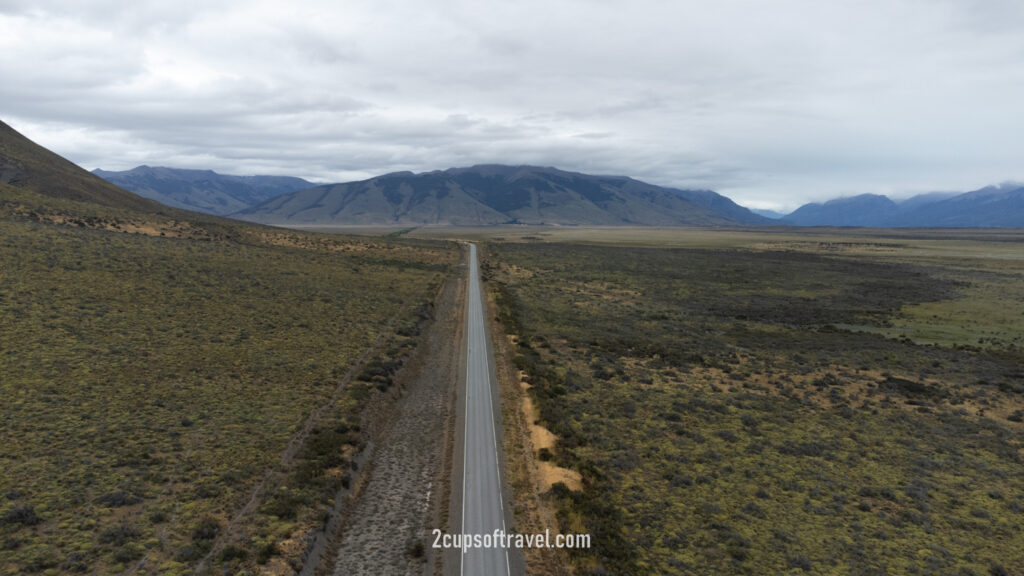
[[24, 515], [206, 529], [76, 563], [266, 551], [811, 448], [233, 552], [800, 563], [129, 552], [284, 505], [188, 553], [118, 535]]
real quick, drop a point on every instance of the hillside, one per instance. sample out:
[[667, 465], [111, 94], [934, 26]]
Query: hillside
[[494, 194], [202, 190], [25, 164], [863, 210], [177, 385]]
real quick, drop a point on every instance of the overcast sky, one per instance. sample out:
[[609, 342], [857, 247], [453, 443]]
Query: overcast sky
[[771, 102]]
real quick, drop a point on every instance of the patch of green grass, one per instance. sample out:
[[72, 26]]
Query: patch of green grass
[[988, 314]]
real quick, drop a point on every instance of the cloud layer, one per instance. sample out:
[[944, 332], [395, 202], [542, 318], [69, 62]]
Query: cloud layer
[[773, 103]]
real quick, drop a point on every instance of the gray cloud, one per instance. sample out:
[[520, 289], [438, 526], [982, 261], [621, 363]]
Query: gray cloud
[[774, 107]]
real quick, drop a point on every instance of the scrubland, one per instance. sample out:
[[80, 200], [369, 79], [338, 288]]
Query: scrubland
[[776, 402], [187, 394]]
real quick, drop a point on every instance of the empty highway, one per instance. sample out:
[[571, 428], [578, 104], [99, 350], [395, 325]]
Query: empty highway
[[482, 503]]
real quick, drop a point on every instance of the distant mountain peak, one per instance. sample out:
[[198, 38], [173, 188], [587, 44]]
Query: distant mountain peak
[[202, 190], [488, 194], [999, 205]]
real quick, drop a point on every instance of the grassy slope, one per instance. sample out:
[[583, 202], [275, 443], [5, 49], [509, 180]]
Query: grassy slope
[[149, 379], [722, 425], [29, 165]]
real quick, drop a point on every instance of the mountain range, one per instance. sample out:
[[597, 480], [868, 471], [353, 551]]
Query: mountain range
[[479, 195], [202, 190], [496, 194], [999, 206]]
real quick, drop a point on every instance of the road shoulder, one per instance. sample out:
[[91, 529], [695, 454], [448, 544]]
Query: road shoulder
[[532, 510]]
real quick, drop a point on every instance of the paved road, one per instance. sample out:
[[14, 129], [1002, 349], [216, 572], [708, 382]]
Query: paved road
[[482, 509]]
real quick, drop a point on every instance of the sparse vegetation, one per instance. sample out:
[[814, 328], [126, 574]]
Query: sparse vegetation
[[750, 411], [736, 402], [151, 382]]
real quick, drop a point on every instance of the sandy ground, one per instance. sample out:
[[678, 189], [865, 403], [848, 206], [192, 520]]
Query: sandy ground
[[406, 489], [541, 437]]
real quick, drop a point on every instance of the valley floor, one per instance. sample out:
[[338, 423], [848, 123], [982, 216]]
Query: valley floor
[[765, 402]]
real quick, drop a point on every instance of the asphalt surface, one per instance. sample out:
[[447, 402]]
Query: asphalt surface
[[482, 503]]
